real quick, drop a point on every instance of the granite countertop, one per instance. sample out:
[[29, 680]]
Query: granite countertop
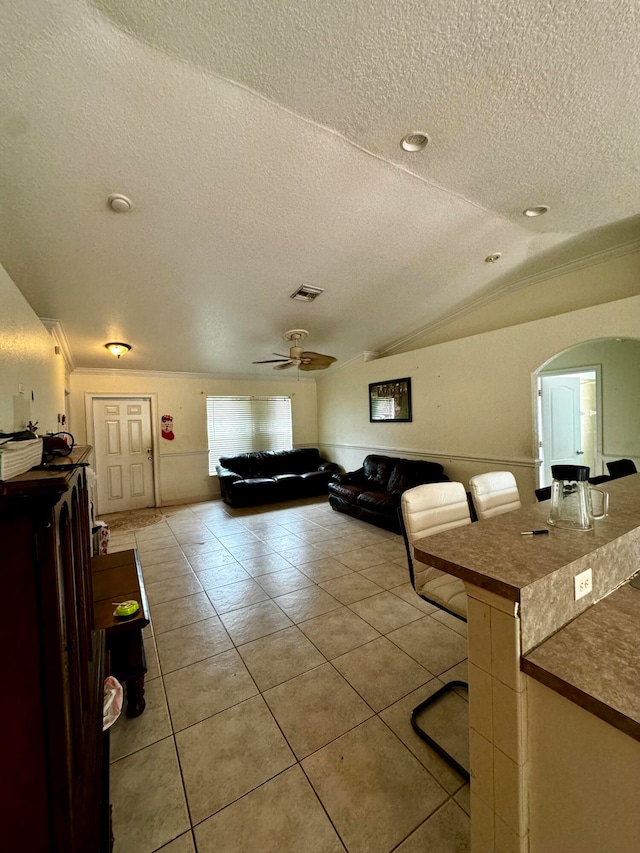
[[493, 555], [595, 660]]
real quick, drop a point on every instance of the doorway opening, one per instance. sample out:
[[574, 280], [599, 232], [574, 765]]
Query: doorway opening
[[569, 420]]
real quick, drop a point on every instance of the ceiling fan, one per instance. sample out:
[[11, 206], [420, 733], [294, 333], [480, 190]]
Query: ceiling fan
[[297, 357]]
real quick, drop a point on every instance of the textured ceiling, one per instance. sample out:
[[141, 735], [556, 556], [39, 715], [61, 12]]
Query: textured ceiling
[[260, 145]]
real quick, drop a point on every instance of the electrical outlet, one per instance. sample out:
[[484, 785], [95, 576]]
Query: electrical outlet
[[583, 584]]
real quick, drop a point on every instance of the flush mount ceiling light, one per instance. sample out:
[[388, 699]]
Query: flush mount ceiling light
[[117, 348], [119, 203], [415, 141], [493, 257], [536, 210]]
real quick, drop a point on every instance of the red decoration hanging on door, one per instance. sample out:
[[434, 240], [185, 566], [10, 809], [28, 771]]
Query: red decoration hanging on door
[[167, 427]]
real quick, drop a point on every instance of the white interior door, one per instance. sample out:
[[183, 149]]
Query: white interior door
[[123, 453], [561, 437]]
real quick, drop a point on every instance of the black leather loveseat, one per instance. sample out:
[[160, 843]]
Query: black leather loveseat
[[273, 475], [372, 493]]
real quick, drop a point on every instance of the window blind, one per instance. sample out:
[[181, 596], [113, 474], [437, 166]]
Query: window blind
[[242, 424]]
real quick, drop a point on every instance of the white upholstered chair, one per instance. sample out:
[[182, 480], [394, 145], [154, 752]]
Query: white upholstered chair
[[494, 493], [425, 510]]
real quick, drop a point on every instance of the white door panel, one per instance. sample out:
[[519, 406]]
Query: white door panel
[[124, 461]]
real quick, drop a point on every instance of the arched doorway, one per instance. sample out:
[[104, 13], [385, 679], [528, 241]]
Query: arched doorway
[[588, 409]]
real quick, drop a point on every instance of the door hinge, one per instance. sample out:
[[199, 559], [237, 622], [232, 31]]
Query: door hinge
[[539, 392]]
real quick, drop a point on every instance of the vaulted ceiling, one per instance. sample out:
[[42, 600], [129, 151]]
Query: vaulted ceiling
[[259, 143]]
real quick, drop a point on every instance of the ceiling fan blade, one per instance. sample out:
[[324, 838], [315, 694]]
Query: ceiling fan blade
[[284, 366], [269, 361], [316, 361]]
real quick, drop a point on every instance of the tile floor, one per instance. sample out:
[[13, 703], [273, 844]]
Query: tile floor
[[286, 651]]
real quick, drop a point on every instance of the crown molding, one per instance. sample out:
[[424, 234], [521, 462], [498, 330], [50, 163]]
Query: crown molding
[[176, 374], [56, 330], [593, 259]]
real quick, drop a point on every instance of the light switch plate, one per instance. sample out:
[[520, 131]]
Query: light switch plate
[[583, 584]]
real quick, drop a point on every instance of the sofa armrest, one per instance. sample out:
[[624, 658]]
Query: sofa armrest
[[329, 466], [352, 477], [227, 475]]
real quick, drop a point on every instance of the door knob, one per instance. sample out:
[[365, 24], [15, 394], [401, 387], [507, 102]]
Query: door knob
[[580, 452]]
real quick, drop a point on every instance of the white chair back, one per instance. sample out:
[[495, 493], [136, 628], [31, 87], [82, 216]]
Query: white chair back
[[494, 493], [428, 509]]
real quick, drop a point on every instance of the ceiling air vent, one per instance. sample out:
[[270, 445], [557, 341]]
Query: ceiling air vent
[[306, 293]]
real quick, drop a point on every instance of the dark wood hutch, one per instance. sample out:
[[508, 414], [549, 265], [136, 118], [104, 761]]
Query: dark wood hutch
[[54, 753]]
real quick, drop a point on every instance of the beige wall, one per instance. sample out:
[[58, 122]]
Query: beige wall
[[183, 463], [620, 363], [27, 358], [473, 398]]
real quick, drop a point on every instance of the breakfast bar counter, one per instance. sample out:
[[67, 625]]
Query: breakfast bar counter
[[548, 671]]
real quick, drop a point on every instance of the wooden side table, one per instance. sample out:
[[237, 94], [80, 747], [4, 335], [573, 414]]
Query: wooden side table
[[118, 577]]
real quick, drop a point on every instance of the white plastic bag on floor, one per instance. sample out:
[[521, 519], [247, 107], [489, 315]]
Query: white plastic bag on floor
[[112, 705]]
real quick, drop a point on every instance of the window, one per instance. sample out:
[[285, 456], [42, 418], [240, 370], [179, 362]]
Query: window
[[241, 424]]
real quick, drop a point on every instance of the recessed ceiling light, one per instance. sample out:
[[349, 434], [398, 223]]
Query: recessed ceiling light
[[415, 141], [492, 258], [117, 348], [119, 203], [537, 210]]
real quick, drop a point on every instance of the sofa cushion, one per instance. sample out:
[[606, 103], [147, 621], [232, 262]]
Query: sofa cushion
[[381, 501], [347, 491], [408, 473], [377, 469]]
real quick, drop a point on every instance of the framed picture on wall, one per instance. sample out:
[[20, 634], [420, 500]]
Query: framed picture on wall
[[390, 401]]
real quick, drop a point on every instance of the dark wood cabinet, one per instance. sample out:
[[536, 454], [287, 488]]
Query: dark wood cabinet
[[54, 762]]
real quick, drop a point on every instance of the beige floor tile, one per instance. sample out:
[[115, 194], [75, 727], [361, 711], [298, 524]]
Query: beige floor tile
[[435, 646], [236, 595], [183, 611], [386, 575], [147, 816], [447, 831], [324, 569], [222, 575], [350, 588], [337, 544], [381, 673], [194, 536], [457, 625], [154, 572], [315, 708], [183, 844], [398, 718], [191, 643], [265, 564], [229, 754], [300, 554], [169, 590], [202, 549], [279, 539], [129, 735], [307, 603], [407, 593], [240, 537], [386, 612], [212, 560], [279, 583], [254, 621], [279, 657], [337, 632], [372, 787], [204, 688], [360, 558], [254, 549], [281, 816], [151, 654]]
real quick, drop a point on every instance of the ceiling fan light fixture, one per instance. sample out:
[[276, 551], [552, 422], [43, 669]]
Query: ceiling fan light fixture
[[117, 348], [417, 140], [536, 210]]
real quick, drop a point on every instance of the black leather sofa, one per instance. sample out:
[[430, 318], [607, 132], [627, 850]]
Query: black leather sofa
[[372, 493], [273, 475]]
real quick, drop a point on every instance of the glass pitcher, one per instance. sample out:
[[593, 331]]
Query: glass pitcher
[[571, 498]]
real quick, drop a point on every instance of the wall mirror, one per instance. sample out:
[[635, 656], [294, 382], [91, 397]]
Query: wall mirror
[[390, 401]]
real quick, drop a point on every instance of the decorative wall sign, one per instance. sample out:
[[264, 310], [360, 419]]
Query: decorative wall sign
[[167, 427], [390, 401]]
